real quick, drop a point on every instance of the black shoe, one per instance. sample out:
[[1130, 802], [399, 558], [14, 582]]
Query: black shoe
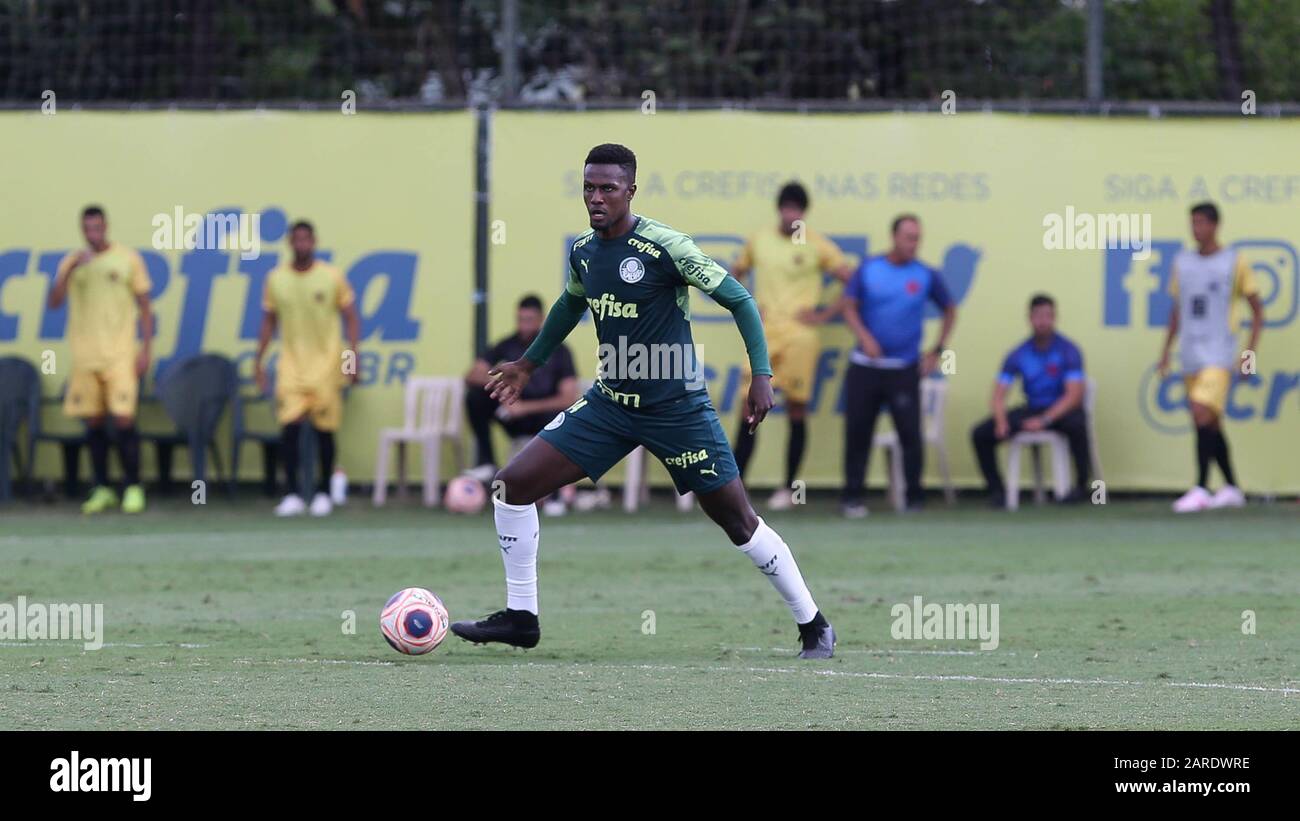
[[817, 638], [1074, 497], [518, 628], [997, 500]]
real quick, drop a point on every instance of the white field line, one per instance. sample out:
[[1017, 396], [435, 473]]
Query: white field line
[[1096, 682], [841, 651], [349, 662], [62, 642], [1072, 682]]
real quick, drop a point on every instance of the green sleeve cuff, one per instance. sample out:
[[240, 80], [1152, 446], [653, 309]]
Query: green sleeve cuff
[[560, 322], [731, 295]]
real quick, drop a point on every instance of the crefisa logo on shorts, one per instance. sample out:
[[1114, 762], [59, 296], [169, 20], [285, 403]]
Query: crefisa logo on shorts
[[688, 458]]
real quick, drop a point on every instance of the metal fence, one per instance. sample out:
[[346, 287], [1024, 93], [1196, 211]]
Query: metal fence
[[1118, 56]]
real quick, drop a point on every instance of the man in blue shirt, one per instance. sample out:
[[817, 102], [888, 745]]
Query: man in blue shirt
[[884, 307], [1050, 368]]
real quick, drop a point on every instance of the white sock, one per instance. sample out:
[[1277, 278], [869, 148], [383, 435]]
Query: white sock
[[517, 533], [770, 554]]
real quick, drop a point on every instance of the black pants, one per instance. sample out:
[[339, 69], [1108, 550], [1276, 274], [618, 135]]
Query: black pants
[[1074, 425], [482, 408], [866, 391], [291, 455]]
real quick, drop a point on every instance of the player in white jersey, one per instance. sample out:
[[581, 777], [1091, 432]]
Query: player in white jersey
[[1205, 285]]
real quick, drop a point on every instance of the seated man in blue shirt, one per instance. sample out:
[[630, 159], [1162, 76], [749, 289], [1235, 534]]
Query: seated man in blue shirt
[[1051, 370], [884, 306]]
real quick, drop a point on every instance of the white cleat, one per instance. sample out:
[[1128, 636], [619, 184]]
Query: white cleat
[[291, 505], [321, 505], [781, 499], [1194, 500], [484, 473], [1228, 496]]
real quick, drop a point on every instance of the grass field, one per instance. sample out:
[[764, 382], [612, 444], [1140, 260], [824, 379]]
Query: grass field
[[1120, 616]]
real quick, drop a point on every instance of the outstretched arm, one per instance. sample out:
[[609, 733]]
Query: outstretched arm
[[1256, 325], [507, 380], [264, 335], [698, 269], [1163, 365], [560, 322], [731, 295]]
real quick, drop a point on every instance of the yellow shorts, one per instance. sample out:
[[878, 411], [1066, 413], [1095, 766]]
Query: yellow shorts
[[323, 406], [793, 352], [1209, 387], [114, 390]]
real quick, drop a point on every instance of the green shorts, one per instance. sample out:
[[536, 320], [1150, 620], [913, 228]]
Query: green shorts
[[595, 434]]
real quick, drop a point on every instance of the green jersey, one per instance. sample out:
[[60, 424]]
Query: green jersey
[[636, 286]]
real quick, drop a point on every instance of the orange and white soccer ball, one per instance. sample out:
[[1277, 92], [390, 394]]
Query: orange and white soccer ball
[[414, 621], [464, 495]]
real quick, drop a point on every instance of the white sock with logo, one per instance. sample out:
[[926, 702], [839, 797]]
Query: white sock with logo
[[517, 533], [771, 555]]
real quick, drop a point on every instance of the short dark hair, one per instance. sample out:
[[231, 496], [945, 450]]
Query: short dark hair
[[902, 218], [794, 194], [531, 301], [303, 224], [1041, 299], [92, 211], [613, 154], [1208, 210]]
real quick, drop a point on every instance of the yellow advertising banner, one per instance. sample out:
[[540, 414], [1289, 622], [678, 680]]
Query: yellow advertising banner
[[391, 197], [986, 187]]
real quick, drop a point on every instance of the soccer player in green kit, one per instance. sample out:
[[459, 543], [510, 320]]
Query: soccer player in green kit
[[633, 273]]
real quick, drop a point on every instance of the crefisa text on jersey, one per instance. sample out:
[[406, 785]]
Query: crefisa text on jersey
[[77, 774]]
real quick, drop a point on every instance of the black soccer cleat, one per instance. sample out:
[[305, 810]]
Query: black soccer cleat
[[817, 638], [518, 628]]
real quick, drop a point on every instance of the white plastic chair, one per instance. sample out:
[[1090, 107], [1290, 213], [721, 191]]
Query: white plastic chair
[[433, 413], [934, 403], [1059, 449]]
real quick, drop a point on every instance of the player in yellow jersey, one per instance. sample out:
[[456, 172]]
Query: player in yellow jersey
[[305, 298], [788, 260], [106, 287], [1205, 285]]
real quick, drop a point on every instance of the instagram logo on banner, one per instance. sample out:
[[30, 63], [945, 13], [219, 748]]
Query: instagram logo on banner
[[1277, 273]]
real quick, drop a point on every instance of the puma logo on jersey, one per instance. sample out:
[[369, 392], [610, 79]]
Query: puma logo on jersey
[[709, 471], [607, 306], [584, 266]]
